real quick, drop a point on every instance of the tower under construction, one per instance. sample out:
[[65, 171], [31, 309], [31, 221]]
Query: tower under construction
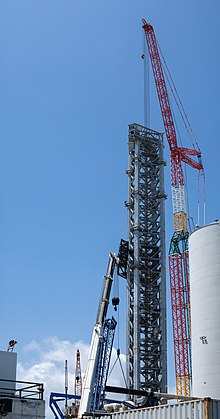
[[146, 280]]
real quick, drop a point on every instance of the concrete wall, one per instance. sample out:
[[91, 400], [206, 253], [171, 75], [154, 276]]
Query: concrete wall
[[27, 409]]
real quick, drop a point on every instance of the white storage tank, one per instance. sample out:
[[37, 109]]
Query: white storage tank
[[204, 262]]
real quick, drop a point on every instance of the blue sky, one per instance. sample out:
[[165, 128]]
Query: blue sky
[[71, 80]]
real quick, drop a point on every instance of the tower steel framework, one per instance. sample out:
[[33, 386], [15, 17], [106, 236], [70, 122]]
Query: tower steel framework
[[146, 279]]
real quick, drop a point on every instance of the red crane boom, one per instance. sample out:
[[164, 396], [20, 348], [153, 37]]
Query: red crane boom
[[178, 253], [177, 154]]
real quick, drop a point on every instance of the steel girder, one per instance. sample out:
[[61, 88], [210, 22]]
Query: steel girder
[[146, 280]]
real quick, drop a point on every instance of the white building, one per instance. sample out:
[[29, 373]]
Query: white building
[[18, 399]]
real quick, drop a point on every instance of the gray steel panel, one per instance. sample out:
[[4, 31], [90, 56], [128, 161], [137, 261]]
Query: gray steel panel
[[8, 365], [196, 409]]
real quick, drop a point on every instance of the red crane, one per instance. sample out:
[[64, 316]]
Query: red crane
[[178, 253], [78, 383]]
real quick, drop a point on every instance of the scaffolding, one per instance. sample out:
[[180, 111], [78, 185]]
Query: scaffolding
[[146, 279]]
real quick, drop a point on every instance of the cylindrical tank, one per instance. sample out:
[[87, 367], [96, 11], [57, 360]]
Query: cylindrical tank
[[204, 261]]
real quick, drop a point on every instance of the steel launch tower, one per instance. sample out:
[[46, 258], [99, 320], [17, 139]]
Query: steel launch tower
[[146, 280]]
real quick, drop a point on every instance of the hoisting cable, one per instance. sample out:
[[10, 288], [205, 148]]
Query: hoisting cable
[[189, 217], [115, 299], [204, 197], [146, 61], [201, 177], [190, 133], [177, 104], [178, 101], [198, 198], [184, 169], [118, 359]]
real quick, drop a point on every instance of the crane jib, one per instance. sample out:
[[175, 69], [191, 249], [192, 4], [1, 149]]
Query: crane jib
[[178, 260]]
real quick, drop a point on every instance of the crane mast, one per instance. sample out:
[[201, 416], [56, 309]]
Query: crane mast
[[178, 253]]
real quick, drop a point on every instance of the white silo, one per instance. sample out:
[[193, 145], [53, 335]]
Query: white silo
[[204, 260]]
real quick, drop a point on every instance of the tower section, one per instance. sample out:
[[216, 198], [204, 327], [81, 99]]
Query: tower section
[[146, 280]]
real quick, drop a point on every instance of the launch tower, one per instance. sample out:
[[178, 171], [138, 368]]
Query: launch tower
[[146, 281]]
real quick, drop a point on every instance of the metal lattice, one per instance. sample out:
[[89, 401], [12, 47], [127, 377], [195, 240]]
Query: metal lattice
[[180, 300], [146, 293], [105, 350]]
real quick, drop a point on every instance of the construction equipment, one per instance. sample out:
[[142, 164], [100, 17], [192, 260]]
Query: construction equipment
[[95, 376], [178, 253], [78, 383], [54, 406], [93, 391]]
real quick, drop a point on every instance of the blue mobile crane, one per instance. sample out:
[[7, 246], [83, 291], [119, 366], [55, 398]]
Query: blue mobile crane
[[93, 391]]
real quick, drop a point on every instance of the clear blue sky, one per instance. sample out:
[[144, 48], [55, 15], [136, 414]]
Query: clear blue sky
[[71, 80]]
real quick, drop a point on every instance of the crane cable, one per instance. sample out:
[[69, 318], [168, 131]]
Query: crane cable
[[146, 61], [191, 136], [178, 101], [201, 173], [184, 169], [118, 359], [204, 197]]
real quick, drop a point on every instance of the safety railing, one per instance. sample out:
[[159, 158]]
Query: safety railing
[[21, 389]]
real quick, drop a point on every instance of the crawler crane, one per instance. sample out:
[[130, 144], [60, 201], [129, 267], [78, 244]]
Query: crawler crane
[[178, 253]]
